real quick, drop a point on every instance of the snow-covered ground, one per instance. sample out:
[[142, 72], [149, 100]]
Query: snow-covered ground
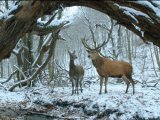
[[145, 103]]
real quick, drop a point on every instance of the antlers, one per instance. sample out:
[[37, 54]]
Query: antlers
[[97, 47], [84, 42]]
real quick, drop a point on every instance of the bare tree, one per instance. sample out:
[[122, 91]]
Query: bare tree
[[153, 61], [129, 53], [157, 55]]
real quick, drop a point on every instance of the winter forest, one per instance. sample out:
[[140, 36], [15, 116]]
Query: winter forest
[[36, 81]]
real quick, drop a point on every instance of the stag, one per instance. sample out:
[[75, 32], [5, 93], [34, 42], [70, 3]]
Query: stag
[[109, 68], [76, 73]]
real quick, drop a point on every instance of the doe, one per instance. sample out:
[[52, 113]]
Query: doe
[[76, 73]]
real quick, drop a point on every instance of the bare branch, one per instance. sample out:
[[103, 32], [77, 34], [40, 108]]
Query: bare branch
[[1, 11], [18, 51], [41, 29], [20, 71], [51, 19], [2, 86], [91, 30], [94, 41], [109, 36], [84, 42], [35, 63], [9, 78], [61, 67]]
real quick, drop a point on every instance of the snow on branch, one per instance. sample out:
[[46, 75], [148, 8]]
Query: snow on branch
[[133, 13], [43, 27], [9, 13], [148, 4]]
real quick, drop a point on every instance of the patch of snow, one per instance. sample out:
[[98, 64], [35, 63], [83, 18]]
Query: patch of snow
[[156, 2], [67, 15], [142, 33], [139, 29], [132, 12], [148, 4], [11, 98], [145, 103], [7, 13]]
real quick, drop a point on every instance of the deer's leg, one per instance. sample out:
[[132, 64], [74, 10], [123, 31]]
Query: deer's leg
[[80, 83], [101, 83], [77, 86], [106, 80], [133, 85], [72, 86], [126, 81]]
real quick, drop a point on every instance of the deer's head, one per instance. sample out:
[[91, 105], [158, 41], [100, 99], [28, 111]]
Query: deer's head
[[93, 53], [72, 55]]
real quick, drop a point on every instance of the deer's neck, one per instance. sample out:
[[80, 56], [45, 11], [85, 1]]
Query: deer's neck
[[98, 62], [72, 65]]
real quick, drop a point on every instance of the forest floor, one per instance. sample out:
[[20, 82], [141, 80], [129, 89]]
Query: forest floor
[[59, 103]]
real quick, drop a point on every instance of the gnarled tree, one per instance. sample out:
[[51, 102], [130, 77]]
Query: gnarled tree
[[142, 18]]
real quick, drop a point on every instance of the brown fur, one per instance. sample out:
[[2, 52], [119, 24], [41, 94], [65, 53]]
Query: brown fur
[[76, 73], [111, 68]]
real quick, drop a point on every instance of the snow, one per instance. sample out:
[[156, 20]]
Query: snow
[[156, 2], [67, 15], [132, 12], [139, 29], [10, 98], [6, 14], [148, 4], [144, 103]]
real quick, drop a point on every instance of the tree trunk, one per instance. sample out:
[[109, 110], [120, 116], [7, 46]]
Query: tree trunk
[[1, 69], [153, 62], [157, 55], [129, 53], [120, 51]]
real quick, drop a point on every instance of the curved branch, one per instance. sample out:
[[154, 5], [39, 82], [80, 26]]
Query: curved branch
[[41, 29]]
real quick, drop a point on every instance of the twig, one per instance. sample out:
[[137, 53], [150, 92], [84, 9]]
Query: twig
[[153, 85], [9, 78], [20, 71], [60, 66], [2, 86]]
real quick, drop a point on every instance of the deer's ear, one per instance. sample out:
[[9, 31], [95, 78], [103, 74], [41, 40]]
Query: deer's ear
[[74, 51]]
